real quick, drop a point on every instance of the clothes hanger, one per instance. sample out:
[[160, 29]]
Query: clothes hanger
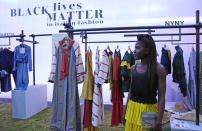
[[129, 49], [108, 48], [22, 44], [165, 46]]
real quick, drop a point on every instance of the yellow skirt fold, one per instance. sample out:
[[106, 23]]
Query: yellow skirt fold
[[133, 114]]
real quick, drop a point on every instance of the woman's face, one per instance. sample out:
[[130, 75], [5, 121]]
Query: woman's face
[[139, 51]]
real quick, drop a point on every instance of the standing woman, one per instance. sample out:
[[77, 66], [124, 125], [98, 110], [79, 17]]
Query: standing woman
[[148, 80]]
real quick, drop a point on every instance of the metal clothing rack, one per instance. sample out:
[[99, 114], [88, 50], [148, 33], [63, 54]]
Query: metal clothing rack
[[197, 27], [12, 36], [71, 34], [21, 39], [33, 44]]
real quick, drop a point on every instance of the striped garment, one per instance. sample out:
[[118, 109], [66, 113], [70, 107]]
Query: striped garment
[[55, 40], [100, 75], [65, 110]]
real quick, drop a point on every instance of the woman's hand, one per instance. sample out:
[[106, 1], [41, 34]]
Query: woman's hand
[[156, 127]]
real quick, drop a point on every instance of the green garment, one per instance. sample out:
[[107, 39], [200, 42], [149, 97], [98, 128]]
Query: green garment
[[178, 67], [179, 71], [127, 61]]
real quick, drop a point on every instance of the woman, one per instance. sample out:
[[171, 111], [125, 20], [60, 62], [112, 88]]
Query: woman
[[147, 78]]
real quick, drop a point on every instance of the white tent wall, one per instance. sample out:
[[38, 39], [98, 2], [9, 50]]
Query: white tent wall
[[104, 13]]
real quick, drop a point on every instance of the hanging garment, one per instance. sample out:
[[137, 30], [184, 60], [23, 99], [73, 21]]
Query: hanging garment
[[169, 66], [127, 61], [98, 107], [103, 75], [179, 70], [166, 61], [6, 63], [111, 73], [22, 63], [87, 94], [200, 104], [191, 91], [55, 39], [117, 95], [65, 110], [87, 90], [2, 75]]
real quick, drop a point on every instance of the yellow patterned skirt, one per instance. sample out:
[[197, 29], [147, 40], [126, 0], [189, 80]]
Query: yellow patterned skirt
[[133, 114]]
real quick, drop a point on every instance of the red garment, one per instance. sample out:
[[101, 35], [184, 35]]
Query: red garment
[[117, 95], [65, 63], [87, 113]]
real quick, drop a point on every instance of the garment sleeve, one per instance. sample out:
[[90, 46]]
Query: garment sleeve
[[79, 64], [30, 59], [2, 74], [53, 64], [104, 69], [14, 59]]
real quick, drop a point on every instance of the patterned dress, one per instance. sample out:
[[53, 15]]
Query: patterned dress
[[98, 108], [69, 72]]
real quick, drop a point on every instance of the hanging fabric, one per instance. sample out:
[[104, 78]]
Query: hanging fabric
[[98, 107], [65, 110], [117, 95], [110, 73], [6, 63], [126, 63], [179, 70], [55, 39], [166, 60], [22, 63], [2, 75], [87, 94], [191, 91]]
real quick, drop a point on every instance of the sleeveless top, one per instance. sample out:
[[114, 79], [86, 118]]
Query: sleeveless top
[[140, 90]]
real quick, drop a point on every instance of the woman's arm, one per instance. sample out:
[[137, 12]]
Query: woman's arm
[[161, 95]]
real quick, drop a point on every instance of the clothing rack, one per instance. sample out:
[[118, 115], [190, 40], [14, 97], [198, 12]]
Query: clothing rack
[[127, 35], [21, 39], [33, 44], [197, 27], [71, 34], [12, 36]]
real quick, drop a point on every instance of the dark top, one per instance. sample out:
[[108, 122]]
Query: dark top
[[6, 63], [179, 74], [165, 61], [140, 91]]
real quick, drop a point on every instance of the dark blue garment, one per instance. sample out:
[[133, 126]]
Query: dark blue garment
[[6, 63], [165, 61], [2, 74], [22, 61]]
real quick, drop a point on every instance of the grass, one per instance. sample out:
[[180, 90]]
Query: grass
[[40, 121]]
